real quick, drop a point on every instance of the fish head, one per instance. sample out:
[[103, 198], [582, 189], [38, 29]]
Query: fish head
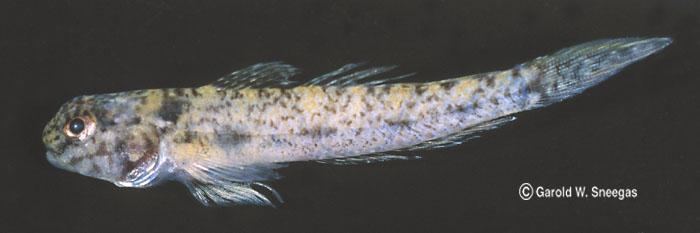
[[105, 137]]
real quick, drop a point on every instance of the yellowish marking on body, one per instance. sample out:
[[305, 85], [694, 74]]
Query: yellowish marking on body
[[310, 96], [207, 90], [154, 100], [465, 86], [357, 90], [434, 89], [397, 94], [197, 150], [250, 94]]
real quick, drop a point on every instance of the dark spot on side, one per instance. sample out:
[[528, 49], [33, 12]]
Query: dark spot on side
[[447, 85], [195, 93], [515, 72], [410, 104], [331, 130], [490, 81], [75, 160], [330, 108], [229, 137], [397, 123], [432, 98], [102, 149], [179, 92], [494, 100], [104, 117], [186, 137], [461, 108], [134, 121], [534, 85], [368, 106], [286, 94], [420, 89], [96, 169], [386, 89], [171, 109], [61, 147], [296, 109], [371, 90]]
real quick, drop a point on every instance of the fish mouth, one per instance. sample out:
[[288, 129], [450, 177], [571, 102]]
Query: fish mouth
[[53, 160], [61, 164]]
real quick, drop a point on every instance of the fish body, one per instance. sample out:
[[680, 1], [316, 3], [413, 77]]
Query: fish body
[[222, 140]]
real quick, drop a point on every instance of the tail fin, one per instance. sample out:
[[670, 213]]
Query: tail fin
[[572, 70]]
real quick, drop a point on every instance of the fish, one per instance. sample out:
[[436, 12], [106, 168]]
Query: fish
[[225, 140]]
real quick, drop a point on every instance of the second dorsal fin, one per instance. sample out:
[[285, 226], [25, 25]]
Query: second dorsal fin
[[347, 75], [278, 74]]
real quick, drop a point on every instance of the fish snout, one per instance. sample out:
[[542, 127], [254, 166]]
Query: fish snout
[[51, 140]]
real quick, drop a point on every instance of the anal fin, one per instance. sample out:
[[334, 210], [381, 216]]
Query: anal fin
[[462, 136], [367, 159]]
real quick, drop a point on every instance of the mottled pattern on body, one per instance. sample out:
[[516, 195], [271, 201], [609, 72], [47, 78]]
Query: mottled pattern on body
[[315, 122], [223, 139]]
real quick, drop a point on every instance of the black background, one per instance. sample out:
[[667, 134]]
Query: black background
[[637, 130]]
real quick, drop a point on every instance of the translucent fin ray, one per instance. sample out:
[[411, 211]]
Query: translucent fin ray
[[572, 70], [461, 137], [341, 77], [257, 76], [232, 194], [367, 159], [278, 74], [216, 184]]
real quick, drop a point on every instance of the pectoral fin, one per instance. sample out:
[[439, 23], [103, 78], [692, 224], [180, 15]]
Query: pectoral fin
[[217, 185], [233, 193]]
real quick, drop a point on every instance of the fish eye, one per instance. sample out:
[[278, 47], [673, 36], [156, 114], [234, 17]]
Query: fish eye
[[76, 126], [79, 128]]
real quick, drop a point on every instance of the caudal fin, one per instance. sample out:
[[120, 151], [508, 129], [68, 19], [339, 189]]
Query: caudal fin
[[572, 70]]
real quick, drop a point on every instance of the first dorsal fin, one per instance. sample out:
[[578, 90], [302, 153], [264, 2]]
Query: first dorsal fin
[[258, 75]]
